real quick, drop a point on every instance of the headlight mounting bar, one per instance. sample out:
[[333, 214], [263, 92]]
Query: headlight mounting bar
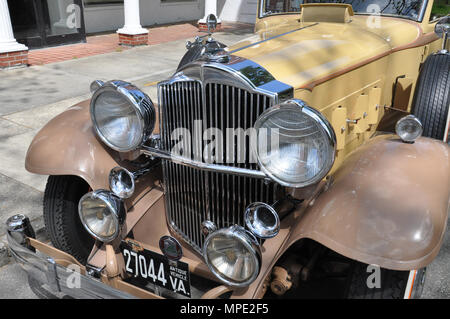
[[154, 152]]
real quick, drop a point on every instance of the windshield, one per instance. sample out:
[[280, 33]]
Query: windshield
[[403, 8]]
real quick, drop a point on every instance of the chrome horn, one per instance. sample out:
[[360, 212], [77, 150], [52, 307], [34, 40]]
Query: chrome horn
[[262, 220], [122, 181]]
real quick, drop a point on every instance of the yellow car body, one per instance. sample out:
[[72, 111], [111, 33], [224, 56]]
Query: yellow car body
[[344, 69]]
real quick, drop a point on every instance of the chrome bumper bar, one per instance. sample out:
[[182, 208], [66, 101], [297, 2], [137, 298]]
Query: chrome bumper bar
[[50, 277]]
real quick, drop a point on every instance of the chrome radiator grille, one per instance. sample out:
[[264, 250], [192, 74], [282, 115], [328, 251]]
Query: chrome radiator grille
[[192, 195]]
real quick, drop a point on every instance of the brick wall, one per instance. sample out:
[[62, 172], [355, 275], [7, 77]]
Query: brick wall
[[204, 28], [11, 59], [133, 40]]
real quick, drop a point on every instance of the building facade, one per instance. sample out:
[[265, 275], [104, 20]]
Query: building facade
[[30, 24]]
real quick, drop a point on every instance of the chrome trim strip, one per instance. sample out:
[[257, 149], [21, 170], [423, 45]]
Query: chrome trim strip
[[422, 11], [201, 165]]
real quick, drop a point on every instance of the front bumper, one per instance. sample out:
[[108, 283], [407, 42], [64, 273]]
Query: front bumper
[[46, 274]]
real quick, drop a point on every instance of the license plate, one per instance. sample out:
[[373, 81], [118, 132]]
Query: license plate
[[157, 269]]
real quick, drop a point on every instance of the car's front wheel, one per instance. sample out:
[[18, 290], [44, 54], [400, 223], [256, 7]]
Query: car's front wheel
[[373, 282], [62, 222]]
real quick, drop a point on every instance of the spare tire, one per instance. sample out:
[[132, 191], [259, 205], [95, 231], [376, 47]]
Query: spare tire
[[432, 96]]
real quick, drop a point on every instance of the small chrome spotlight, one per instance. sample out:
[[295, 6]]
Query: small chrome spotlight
[[102, 214], [121, 182], [233, 255], [262, 220], [409, 128]]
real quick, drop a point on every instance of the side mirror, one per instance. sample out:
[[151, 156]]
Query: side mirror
[[442, 29], [211, 23]]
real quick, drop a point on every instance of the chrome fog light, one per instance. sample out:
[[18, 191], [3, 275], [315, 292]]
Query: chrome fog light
[[233, 255], [262, 220], [409, 128], [121, 182], [102, 214]]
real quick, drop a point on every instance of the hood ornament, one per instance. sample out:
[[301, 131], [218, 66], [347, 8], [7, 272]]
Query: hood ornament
[[211, 23], [205, 47], [214, 52]]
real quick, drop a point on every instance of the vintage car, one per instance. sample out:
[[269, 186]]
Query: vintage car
[[309, 160]]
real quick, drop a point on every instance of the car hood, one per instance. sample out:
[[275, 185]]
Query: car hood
[[301, 54]]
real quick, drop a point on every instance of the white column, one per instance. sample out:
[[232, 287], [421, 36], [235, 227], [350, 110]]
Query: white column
[[132, 19], [7, 41], [210, 7]]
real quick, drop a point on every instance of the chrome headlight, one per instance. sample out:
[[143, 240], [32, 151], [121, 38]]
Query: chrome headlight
[[102, 214], [233, 256], [122, 115], [295, 144]]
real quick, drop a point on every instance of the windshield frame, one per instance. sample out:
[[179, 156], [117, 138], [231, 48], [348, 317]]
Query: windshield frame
[[262, 14]]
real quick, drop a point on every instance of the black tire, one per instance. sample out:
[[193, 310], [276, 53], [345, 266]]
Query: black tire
[[63, 225], [432, 95], [392, 283]]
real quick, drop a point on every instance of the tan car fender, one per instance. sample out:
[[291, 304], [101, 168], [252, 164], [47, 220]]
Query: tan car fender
[[387, 204], [67, 145]]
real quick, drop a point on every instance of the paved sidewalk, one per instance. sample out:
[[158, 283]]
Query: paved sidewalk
[[106, 43]]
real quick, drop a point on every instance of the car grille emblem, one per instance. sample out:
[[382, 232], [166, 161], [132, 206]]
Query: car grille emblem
[[171, 248]]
